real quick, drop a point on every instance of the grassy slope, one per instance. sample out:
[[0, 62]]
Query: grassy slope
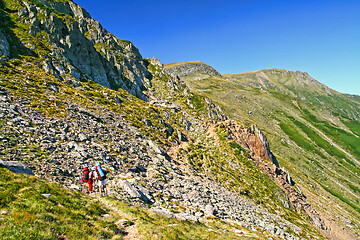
[[91, 95], [32, 216], [315, 136]]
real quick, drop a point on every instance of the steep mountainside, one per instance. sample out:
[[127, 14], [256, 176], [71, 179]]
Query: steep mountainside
[[195, 165], [313, 131]]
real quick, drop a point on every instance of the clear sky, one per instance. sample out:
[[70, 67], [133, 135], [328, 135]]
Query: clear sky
[[234, 36]]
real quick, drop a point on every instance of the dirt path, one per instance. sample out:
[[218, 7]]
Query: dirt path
[[131, 231]]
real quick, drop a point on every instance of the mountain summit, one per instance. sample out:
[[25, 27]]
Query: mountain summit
[[190, 68]]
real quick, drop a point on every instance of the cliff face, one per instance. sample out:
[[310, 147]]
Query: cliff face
[[75, 46]]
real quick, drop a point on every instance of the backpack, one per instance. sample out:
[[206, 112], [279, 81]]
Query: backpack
[[86, 174], [100, 172], [103, 177]]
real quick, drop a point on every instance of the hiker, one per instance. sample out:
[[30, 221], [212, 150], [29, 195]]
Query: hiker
[[101, 176], [91, 181], [95, 177], [89, 178]]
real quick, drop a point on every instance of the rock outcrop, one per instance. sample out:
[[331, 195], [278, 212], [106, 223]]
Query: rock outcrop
[[214, 111], [251, 138], [4, 46], [82, 49], [255, 142]]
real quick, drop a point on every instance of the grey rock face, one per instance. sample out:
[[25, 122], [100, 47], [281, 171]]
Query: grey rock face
[[214, 111], [23, 12], [82, 137], [209, 210], [192, 68], [162, 211], [4, 46], [82, 48]]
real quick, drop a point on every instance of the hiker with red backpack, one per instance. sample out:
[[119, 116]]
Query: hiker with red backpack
[[89, 178], [101, 176]]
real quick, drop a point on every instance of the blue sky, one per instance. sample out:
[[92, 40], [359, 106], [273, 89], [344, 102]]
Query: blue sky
[[318, 37]]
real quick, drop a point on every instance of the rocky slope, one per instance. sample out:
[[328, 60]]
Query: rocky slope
[[255, 141]]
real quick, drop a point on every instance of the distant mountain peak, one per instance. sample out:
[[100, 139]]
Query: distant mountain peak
[[190, 68]]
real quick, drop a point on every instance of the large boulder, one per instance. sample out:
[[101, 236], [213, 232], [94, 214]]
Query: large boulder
[[16, 167]]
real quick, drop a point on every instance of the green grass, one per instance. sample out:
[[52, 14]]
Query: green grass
[[318, 140], [299, 139], [340, 136], [354, 188], [353, 125], [65, 213], [342, 198], [44, 7]]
